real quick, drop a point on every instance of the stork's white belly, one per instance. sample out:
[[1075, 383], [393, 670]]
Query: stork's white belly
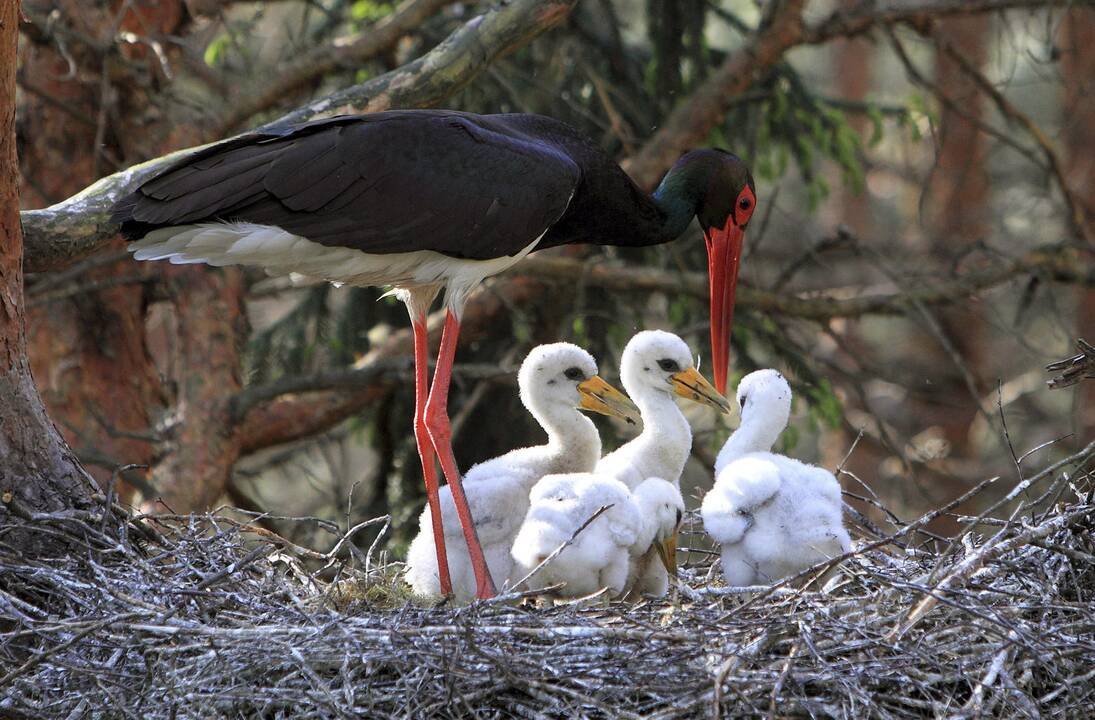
[[282, 253]]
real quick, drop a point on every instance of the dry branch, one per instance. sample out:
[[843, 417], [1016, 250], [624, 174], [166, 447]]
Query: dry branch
[[1058, 263], [865, 16], [62, 233], [272, 420], [1073, 369], [285, 420], [691, 122], [1015, 116]]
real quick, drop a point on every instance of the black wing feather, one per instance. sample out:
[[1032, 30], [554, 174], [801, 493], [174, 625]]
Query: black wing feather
[[464, 185]]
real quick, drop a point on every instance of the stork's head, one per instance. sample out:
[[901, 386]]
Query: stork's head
[[565, 375], [721, 188], [655, 361]]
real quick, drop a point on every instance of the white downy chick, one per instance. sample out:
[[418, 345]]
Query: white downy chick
[[555, 381], [614, 549], [600, 555], [774, 516], [655, 367], [654, 555]]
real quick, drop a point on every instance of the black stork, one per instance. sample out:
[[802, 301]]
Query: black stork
[[428, 199]]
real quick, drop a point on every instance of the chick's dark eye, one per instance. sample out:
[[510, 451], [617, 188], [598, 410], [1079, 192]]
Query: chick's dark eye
[[743, 399], [669, 365], [574, 374], [745, 203]]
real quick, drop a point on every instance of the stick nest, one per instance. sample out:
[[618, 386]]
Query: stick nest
[[207, 618]]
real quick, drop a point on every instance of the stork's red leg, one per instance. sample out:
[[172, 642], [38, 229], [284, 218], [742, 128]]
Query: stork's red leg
[[425, 445], [437, 421]]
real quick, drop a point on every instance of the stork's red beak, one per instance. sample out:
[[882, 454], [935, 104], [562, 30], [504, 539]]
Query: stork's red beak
[[723, 259]]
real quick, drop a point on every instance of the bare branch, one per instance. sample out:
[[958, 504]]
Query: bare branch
[[1059, 263], [692, 121], [1073, 369], [284, 420], [868, 15], [1018, 117], [363, 376]]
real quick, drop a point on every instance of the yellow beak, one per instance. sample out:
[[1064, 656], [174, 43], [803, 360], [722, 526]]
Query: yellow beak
[[599, 396], [667, 551], [690, 384]]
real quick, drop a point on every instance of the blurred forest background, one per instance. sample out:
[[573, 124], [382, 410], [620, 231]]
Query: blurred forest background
[[926, 180]]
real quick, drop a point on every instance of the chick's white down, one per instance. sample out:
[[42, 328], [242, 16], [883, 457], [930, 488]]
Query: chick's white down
[[774, 516], [661, 507], [606, 552], [498, 489]]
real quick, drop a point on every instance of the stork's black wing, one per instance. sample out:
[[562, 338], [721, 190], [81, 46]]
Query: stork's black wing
[[465, 185]]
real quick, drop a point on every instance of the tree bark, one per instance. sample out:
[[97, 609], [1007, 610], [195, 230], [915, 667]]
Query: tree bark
[[1078, 56], [211, 330], [853, 67], [37, 470], [89, 353], [958, 218]]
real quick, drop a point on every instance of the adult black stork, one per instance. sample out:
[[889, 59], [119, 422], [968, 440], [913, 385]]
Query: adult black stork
[[429, 199]]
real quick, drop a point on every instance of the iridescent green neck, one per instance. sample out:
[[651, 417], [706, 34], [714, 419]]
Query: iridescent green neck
[[678, 196]]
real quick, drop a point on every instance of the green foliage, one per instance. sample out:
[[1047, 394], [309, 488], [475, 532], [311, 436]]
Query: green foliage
[[369, 11], [216, 51], [824, 404], [918, 112], [789, 440], [578, 331], [874, 114], [793, 123]]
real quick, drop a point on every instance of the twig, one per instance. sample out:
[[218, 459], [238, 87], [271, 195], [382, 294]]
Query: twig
[[1073, 369]]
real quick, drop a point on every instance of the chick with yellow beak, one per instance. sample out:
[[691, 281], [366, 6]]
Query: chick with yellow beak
[[656, 367], [556, 381]]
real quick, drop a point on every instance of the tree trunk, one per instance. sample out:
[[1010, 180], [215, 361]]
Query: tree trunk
[[1078, 54], [853, 66], [211, 330], [89, 351], [37, 470], [959, 195]]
